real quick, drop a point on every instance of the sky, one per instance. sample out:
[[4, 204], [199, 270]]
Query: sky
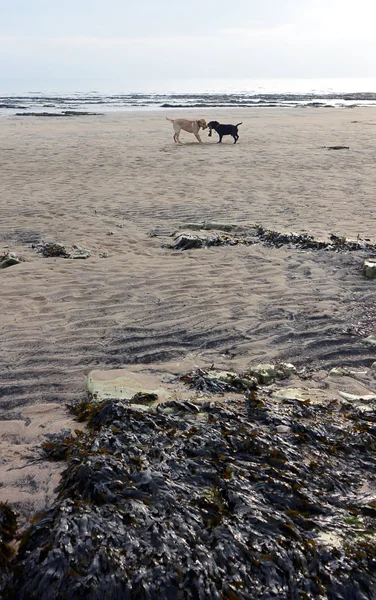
[[142, 45]]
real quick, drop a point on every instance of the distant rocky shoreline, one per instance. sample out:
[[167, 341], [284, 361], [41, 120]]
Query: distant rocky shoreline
[[35, 103]]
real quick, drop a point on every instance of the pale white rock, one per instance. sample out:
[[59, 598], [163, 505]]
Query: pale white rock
[[299, 394], [287, 368], [232, 378], [369, 267], [369, 341], [265, 373], [339, 371], [357, 398], [283, 429], [122, 384]]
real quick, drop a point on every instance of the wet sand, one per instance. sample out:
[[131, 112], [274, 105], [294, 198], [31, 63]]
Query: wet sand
[[110, 183]]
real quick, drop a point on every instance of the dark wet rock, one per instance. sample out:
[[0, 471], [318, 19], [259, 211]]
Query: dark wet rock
[[337, 147], [144, 398], [53, 249], [242, 498], [10, 105], [9, 259], [64, 113]]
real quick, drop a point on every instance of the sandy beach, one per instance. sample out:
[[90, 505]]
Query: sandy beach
[[118, 185]]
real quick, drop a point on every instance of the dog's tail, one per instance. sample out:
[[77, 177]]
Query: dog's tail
[[239, 124], [172, 120]]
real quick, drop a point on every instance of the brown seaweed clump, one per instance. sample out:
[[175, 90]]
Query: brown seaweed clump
[[268, 237], [208, 500]]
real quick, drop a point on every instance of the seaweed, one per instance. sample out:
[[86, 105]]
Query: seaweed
[[268, 237], [206, 499], [54, 249], [308, 242], [211, 381], [8, 529]]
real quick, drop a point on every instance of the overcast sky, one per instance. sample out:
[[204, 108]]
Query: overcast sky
[[143, 43]]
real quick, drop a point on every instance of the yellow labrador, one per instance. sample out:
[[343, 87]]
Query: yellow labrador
[[189, 126]]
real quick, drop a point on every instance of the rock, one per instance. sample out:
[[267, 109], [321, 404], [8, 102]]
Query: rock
[[122, 384], [369, 341], [187, 241], [144, 398], [344, 371], [8, 260], [284, 370], [53, 249], [299, 394], [369, 267], [48, 249], [139, 407], [209, 225], [337, 147], [373, 366], [64, 113], [77, 252], [356, 398], [283, 429], [264, 373], [156, 505], [211, 381], [233, 379], [339, 371]]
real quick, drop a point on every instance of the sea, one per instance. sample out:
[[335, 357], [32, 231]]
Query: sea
[[64, 96]]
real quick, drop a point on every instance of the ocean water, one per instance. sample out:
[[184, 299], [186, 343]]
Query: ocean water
[[57, 96]]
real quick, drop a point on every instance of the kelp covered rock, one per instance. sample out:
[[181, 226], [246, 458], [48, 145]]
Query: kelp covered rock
[[233, 235], [210, 501], [54, 249]]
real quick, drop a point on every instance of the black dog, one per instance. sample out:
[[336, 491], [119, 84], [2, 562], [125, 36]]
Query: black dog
[[224, 130]]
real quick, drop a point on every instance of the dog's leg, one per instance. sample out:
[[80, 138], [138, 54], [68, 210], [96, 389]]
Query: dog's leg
[[198, 137], [177, 133], [220, 139]]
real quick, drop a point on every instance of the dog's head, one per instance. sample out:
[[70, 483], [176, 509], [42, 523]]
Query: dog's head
[[212, 125], [202, 123]]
